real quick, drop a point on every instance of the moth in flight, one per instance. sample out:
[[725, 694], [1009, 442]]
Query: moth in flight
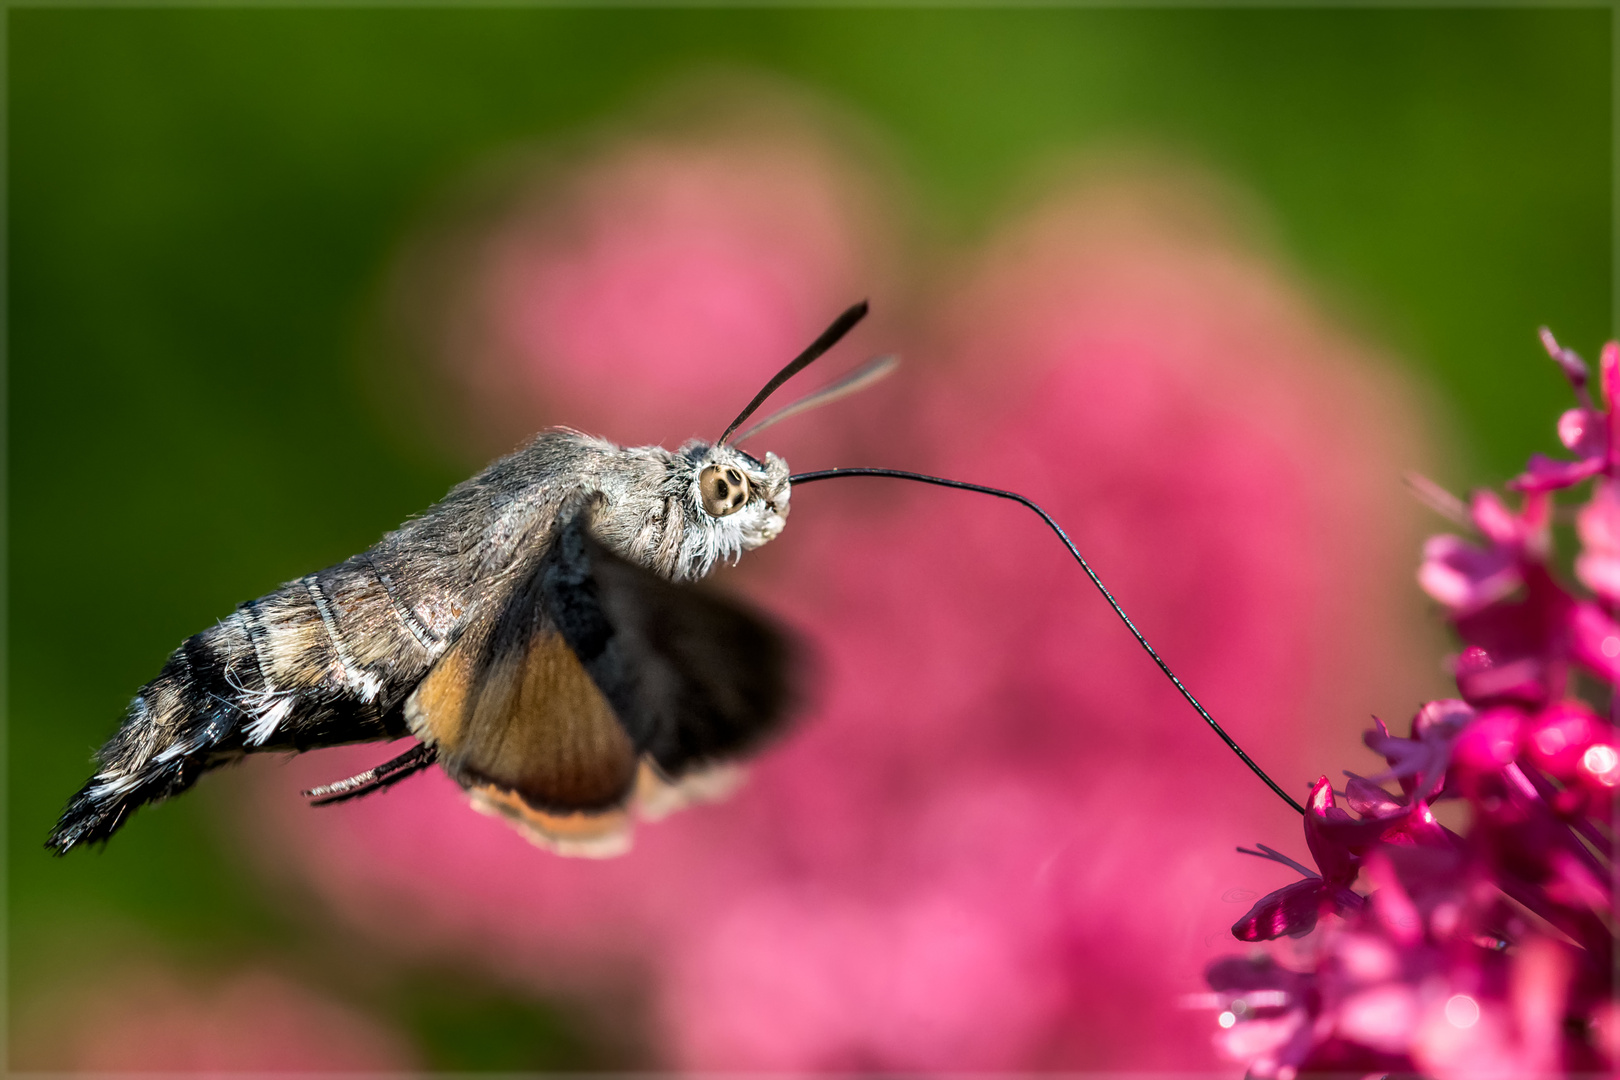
[[536, 631]]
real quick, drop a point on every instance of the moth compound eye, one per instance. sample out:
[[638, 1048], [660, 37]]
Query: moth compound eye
[[724, 488]]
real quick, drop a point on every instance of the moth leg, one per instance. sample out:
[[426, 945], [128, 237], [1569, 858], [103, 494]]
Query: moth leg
[[375, 779]]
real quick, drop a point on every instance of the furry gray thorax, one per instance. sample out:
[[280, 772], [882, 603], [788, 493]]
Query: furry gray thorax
[[644, 501]]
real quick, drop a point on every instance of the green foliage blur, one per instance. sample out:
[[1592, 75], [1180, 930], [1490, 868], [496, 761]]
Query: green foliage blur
[[203, 204]]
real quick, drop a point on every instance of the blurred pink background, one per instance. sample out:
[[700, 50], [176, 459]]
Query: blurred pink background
[[999, 841], [149, 1018]]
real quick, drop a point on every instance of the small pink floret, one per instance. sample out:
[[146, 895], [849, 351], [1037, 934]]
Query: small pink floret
[[1485, 955]]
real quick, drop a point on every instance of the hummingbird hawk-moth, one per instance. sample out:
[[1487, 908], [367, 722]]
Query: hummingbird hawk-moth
[[536, 631]]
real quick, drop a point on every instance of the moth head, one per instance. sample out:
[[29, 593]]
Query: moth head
[[739, 501]]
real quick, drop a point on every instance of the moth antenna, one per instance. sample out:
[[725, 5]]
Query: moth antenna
[[375, 779], [829, 337], [874, 370], [923, 478], [1439, 500], [1278, 857]]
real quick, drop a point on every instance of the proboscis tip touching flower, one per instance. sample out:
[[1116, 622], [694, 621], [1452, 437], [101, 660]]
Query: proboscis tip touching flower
[[1487, 953]]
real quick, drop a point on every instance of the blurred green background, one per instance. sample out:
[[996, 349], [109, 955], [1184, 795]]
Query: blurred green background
[[203, 205]]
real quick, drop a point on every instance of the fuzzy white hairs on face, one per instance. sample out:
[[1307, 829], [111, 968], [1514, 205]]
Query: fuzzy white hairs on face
[[710, 539]]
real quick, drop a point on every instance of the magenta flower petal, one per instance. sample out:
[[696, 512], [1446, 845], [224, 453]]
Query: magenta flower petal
[[1584, 432], [1406, 757], [1483, 680], [1442, 719], [1491, 742], [1351, 837], [1535, 628], [1600, 573], [1402, 823], [1419, 763], [1598, 565], [1568, 360], [1599, 520], [1290, 911], [1370, 800], [1559, 736], [1594, 641], [1491, 515], [1543, 473], [1420, 827], [1464, 577], [1332, 834]]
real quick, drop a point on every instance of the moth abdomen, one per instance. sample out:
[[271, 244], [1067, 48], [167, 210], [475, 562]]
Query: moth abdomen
[[322, 661], [181, 724]]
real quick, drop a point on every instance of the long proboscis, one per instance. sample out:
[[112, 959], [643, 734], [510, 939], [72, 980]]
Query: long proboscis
[[829, 337], [938, 481]]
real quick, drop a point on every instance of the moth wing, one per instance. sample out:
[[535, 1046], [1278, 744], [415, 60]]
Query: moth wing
[[518, 722], [599, 682], [695, 679], [601, 835]]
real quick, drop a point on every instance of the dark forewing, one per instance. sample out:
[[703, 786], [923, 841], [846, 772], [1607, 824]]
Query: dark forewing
[[692, 677]]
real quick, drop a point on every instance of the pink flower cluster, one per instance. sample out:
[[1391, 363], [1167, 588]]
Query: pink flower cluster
[[1488, 952]]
